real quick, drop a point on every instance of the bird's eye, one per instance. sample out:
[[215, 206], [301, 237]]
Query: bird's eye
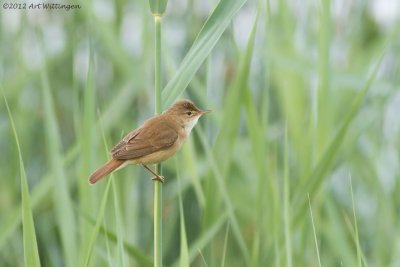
[[189, 113]]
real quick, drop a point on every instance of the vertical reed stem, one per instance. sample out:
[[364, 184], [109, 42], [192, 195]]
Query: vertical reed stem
[[157, 63], [157, 184]]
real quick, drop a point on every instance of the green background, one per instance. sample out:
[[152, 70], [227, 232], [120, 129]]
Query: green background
[[297, 165]]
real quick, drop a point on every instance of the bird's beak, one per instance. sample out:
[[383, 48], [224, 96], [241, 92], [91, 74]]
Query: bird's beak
[[202, 112]]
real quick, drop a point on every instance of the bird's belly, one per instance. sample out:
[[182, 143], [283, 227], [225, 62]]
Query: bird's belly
[[156, 157]]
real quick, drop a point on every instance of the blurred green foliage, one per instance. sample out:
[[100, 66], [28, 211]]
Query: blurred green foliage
[[304, 96]]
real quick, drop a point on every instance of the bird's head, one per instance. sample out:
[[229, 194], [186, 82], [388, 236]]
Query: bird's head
[[186, 113]]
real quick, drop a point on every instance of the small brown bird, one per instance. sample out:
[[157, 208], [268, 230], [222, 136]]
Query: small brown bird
[[159, 138]]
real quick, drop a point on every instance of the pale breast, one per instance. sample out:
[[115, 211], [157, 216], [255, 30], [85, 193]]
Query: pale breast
[[158, 156]]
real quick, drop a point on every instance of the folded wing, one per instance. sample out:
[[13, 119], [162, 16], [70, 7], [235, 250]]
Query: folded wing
[[153, 136]]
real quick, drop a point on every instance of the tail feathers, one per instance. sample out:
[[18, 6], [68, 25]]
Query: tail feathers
[[106, 169]]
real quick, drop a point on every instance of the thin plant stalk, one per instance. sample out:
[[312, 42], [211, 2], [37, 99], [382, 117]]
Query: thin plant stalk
[[157, 8], [157, 183]]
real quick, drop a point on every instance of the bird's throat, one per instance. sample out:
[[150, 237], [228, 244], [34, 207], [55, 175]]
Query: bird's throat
[[190, 124]]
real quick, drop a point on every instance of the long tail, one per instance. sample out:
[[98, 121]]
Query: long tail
[[104, 170]]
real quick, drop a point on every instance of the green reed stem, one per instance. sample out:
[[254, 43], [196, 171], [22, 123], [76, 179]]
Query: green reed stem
[[157, 184], [157, 63]]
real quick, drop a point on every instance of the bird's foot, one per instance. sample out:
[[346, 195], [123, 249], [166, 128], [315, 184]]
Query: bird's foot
[[158, 178]]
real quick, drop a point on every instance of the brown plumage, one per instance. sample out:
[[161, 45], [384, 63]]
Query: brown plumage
[[156, 140], [104, 170]]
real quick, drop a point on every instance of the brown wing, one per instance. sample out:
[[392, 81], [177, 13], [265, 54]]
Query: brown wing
[[153, 136], [124, 140]]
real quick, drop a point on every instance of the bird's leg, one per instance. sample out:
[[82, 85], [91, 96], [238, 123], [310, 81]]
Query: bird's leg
[[157, 177]]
